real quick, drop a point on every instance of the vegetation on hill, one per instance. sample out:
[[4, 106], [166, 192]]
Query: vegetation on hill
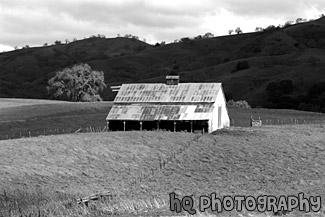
[[248, 65]]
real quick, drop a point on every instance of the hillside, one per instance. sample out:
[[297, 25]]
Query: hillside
[[292, 59]]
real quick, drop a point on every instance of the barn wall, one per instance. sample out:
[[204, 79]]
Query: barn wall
[[224, 121], [225, 116]]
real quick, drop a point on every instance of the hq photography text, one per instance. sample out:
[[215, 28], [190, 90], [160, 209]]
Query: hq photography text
[[261, 203]]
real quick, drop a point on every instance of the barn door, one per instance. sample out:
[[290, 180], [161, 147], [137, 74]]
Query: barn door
[[219, 117]]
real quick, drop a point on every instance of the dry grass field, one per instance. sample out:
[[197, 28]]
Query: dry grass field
[[42, 176], [19, 117]]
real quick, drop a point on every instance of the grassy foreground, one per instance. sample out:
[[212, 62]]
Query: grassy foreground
[[42, 176]]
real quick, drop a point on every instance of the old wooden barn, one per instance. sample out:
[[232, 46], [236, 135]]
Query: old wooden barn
[[172, 106]]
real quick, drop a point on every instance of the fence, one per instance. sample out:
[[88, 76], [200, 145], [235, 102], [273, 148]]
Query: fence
[[16, 134], [274, 121], [150, 172], [44, 132]]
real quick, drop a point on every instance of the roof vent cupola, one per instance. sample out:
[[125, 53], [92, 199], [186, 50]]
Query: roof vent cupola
[[172, 79]]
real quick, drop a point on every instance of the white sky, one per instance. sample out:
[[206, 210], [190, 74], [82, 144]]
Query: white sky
[[34, 22]]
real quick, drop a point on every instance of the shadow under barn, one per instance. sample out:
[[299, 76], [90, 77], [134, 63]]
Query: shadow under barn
[[173, 126]]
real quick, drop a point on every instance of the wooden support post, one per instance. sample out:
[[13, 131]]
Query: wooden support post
[[191, 126], [124, 125], [174, 126], [140, 125], [107, 125], [157, 125]]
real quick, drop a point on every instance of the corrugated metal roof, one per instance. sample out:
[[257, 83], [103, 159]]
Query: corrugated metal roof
[[183, 93], [160, 112]]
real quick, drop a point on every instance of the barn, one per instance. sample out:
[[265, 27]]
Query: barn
[[172, 106]]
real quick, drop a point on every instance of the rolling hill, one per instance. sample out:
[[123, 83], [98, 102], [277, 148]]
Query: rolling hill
[[42, 176], [276, 68]]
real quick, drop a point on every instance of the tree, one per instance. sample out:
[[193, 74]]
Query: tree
[[299, 20], [238, 30], [185, 40], [230, 31], [134, 37], [259, 29], [127, 36], [288, 23], [270, 28], [78, 83], [208, 35], [57, 42]]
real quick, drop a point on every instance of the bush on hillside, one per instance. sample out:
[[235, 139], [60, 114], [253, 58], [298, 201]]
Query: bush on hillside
[[283, 87], [238, 104], [241, 65]]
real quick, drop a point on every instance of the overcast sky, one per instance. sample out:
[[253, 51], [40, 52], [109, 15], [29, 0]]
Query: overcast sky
[[34, 22]]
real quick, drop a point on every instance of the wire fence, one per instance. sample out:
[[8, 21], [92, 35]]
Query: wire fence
[[16, 134], [276, 121], [46, 132]]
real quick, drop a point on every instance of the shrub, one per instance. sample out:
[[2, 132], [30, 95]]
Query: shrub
[[283, 87], [241, 65], [286, 86], [238, 104]]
